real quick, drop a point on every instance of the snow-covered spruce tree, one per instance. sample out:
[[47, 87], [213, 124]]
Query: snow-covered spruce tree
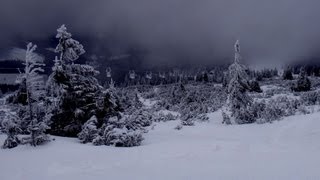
[[193, 108], [11, 128], [136, 103], [38, 134], [310, 98], [136, 113], [129, 100], [120, 131], [34, 82], [124, 129], [74, 92], [89, 130], [287, 74], [69, 49], [31, 92], [71, 88], [303, 82], [74, 99], [238, 101], [177, 93], [108, 105], [31, 83], [29, 78], [33, 119]]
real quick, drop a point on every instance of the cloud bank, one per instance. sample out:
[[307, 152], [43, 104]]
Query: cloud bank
[[186, 30]]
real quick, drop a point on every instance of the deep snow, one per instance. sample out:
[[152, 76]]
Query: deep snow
[[288, 149]]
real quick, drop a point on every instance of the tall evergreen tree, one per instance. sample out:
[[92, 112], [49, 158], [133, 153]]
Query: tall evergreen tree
[[74, 94], [35, 91], [303, 83], [72, 88], [34, 82], [69, 49], [287, 74], [238, 100]]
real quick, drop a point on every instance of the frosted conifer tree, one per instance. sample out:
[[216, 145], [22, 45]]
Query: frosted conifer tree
[[238, 69], [37, 131], [35, 91], [120, 132], [12, 129], [75, 93], [238, 100], [89, 130], [303, 83], [69, 49], [287, 74], [31, 92]]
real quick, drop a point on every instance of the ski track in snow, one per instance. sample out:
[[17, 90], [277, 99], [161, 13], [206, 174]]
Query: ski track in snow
[[287, 149]]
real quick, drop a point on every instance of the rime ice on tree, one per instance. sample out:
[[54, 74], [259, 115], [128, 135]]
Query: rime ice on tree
[[34, 82], [69, 49], [238, 100], [12, 130], [35, 89]]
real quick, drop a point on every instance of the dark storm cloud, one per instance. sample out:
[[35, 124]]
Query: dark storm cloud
[[277, 30]]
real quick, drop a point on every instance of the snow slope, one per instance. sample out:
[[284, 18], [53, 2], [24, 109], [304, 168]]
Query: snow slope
[[288, 149]]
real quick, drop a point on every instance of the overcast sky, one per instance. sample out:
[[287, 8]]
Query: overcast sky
[[277, 30]]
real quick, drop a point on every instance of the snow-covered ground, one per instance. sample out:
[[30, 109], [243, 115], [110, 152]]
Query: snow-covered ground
[[288, 149]]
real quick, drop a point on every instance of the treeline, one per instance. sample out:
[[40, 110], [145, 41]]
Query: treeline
[[73, 103]]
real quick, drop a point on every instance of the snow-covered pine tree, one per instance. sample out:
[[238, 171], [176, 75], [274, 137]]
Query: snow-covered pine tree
[[34, 82], [120, 131], [108, 103], [12, 129], [69, 49], [35, 91], [73, 98], [74, 92], [287, 74], [69, 86], [89, 130], [31, 92], [38, 134], [303, 83], [136, 103], [238, 69], [177, 93], [238, 101], [139, 119], [193, 108], [123, 129]]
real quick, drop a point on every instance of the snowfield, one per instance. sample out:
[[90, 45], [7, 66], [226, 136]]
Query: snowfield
[[288, 149]]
